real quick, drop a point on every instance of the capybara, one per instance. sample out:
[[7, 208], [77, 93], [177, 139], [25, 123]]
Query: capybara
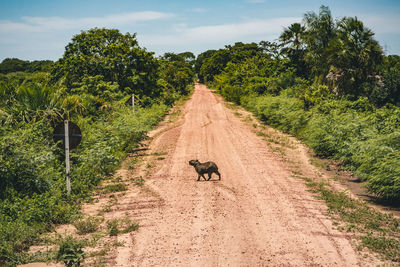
[[208, 167]]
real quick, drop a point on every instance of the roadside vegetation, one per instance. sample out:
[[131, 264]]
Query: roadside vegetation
[[89, 85], [328, 82]]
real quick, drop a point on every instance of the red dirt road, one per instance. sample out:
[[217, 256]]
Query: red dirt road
[[257, 215]]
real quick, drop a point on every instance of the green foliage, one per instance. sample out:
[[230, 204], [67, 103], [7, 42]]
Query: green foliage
[[16, 236], [354, 58], [87, 225], [176, 74], [10, 65], [112, 188], [282, 112], [118, 226], [70, 252], [27, 160], [116, 57], [384, 180], [388, 246], [113, 227], [390, 91]]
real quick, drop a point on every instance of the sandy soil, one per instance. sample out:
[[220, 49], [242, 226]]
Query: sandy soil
[[259, 214]]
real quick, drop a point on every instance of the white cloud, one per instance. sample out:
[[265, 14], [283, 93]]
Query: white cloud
[[256, 1], [45, 24], [199, 10], [221, 33], [381, 24]]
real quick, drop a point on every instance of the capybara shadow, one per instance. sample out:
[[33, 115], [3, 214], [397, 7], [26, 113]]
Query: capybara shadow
[[208, 167]]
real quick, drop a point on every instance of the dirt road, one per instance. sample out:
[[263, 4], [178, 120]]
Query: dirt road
[[257, 215]]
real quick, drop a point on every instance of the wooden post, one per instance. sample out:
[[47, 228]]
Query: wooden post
[[67, 167], [133, 102]]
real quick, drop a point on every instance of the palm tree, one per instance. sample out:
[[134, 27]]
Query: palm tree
[[320, 30], [293, 38], [293, 35], [355, 54]]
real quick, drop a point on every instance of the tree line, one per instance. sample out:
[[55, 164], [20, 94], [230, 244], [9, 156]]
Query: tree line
[[341, 54]]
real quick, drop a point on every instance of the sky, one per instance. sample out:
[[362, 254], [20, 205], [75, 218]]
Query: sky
[[40, 29]]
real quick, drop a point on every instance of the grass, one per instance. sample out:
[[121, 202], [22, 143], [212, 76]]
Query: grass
[[231, 106], [259, 133], [150, 165], [132, 162], [377, 231], [121, 226], [108, 206], [324, 164], [173, 116], [87, 225], [140, 181], [237, 114], [112, 226], [112, 188], [160, 153]]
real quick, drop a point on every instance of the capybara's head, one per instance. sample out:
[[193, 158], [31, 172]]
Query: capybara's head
[[193, 162]]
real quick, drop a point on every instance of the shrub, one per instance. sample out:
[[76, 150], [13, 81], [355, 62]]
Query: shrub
[[384, 180], [88, 225], [113, 227], [70, 252]]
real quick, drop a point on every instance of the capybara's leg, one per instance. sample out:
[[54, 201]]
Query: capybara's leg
[[217, 172], [209, 176]]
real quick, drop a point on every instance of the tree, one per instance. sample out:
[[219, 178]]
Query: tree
[[390, 92], [116, 57], [354, 57], [293, 38], [320, 30], [12, 65], [200, 61], [214, 65], [271, 49], [176, 73], [293, 35]]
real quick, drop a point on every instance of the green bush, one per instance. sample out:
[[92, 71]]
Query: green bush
[[70, 252], [113, 227], [384, 180], [87, 225], [282, 112]]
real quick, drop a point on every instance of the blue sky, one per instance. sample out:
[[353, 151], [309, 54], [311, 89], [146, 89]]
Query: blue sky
[[40, 29]]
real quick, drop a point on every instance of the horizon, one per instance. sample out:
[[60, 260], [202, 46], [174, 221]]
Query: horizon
[[40, 31]]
